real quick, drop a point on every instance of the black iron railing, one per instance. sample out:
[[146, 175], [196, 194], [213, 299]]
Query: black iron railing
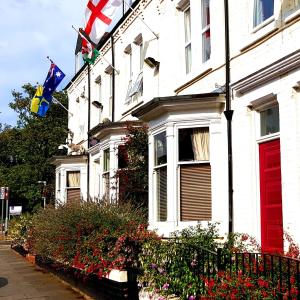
[[280, 273]]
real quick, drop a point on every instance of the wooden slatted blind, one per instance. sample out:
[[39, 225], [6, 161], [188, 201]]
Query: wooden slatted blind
[[195, 192], [73, 195], [162, 193]]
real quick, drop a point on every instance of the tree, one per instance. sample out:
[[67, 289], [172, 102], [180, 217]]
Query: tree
[[133, 175], [26, 149]]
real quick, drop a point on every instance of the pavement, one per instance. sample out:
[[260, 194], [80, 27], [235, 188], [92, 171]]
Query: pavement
[[19, 279]]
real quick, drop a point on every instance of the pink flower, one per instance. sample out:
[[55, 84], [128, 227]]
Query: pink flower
[[165, 286]]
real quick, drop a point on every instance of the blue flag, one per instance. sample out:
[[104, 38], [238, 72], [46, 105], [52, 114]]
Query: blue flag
[[54, 77], [43, 97]]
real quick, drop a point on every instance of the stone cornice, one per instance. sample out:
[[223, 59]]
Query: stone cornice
[[268, 73]]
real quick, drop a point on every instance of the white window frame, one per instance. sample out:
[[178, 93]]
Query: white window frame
[[264, 21], [98, 83], [187, 40], [128, 52], [205, 29]]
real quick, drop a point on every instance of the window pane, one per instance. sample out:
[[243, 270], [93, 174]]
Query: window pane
[[161, 183], [193, 144], [160, 148], [263, 9], [122, 157], [188, 58], [205, 13], [269, 121], [206, 48], [73, 179], [187, 34], [59, 181], [187, 25], [106, 185], [106, 160]]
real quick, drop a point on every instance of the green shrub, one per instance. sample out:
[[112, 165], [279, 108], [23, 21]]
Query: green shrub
[[19, 229]]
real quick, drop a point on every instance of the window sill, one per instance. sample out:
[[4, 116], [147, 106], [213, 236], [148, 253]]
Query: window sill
[[260, 32], [193, 162], [292, 16], [263, 24], [132, 105]]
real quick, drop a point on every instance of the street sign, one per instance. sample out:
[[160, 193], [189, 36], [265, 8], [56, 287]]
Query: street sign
[[15, 210], [2, 192]]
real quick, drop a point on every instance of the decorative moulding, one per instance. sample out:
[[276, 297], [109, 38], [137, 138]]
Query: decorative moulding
[[268, 73], [263, 103], [183, 4]]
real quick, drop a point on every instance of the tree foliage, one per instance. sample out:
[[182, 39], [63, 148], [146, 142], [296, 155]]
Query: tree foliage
[[133, 177], [26, 149]]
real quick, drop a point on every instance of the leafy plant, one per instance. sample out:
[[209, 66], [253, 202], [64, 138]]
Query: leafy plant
[[19, 229], [171, 266], [133, 176]]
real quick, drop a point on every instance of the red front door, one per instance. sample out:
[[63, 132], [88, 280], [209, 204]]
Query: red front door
[[270, 197]]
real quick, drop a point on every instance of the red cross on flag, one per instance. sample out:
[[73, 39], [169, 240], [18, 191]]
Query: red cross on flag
[[98, 16]]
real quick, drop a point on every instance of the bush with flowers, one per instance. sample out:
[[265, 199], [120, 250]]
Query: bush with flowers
[[236, 270], [91, 237], [170, 265]]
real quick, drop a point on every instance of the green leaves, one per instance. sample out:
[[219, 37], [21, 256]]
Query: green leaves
[[25, 149]]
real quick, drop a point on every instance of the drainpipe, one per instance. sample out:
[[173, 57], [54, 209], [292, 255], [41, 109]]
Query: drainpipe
[[113, 79], [228, 114], [88, 134]]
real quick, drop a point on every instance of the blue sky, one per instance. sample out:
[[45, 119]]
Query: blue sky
[[30, 31]]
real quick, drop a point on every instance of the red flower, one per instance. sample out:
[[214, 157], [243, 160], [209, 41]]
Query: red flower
[[244, 237]]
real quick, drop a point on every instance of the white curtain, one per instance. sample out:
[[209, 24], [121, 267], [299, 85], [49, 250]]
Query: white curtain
[[258, 14], [200, 143], [74, 179]]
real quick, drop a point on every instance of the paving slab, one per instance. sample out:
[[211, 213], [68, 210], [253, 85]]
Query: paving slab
[[20, 280]]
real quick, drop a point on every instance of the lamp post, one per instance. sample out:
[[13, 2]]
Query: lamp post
[[43, 197]]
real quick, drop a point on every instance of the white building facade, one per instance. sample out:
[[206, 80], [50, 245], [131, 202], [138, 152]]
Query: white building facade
[[164, 64]]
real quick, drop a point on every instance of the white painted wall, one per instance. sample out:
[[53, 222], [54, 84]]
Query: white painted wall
[[251, 50]]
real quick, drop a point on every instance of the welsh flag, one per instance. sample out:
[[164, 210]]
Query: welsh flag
[[89, 51], [98, 16]]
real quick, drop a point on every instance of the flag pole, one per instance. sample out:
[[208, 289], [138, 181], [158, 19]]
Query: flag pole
[[101, 56], [58, 102], [155, 34], [50, 60]]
